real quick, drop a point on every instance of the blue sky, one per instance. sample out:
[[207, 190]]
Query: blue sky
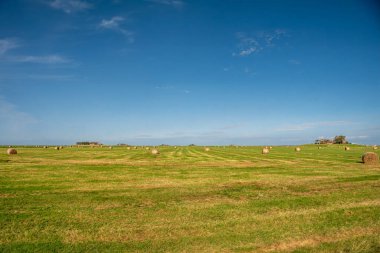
[[181, 72]]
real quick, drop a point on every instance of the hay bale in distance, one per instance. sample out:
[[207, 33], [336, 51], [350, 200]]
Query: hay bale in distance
[[56, 148], [11, 151], [374, 147], [265, 151], [207, 149], [346, 148], [370, 158], [155, 151], [297, 149], [147, 148], [110, 147]]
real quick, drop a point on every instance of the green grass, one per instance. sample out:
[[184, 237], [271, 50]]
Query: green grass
[[188, 200]]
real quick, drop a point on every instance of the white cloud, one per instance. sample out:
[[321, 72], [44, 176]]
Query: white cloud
[[248, 51], [48, 59], [70, 6], [115, 24], [174, 3], [6, 45], [112, 23], [249, 45]]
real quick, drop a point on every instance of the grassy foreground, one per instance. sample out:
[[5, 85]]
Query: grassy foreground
[[188, 200]]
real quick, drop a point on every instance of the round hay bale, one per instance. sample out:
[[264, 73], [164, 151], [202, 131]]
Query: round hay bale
[[297, 149], [155, 151], [56, 148], [128, 148], [374, 147], [370, 158], [11, 151], [110, 147], [45, 147], [147, 148], [207, 149], [265, 151], [270, 147], [346, 148]]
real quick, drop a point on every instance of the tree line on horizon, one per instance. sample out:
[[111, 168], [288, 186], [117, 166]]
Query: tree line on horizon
[[339, 139]]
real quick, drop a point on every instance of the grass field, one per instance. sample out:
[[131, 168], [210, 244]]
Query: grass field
[[188, 200]]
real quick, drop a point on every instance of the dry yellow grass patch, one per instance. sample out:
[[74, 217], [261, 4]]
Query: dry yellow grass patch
[[316, 240]]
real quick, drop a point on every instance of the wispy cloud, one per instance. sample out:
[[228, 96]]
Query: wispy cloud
[[271, 37], [249, 71], [233, 126], [51, 77], [40, 77], [114, 24], [164, 87], [358, 137], [6, 45], [10, 114], [249, 45], [311, 125], [172, 88], [173, 3], [70, 6], [294, 62], [48, 59]]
